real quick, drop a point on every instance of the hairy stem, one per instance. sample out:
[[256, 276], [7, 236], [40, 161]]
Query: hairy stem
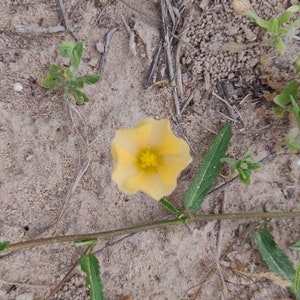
[[134, 229]]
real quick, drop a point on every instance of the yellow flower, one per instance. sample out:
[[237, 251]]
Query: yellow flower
[[149, 158]]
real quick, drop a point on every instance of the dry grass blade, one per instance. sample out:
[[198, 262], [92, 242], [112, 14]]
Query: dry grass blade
[[165, 8]]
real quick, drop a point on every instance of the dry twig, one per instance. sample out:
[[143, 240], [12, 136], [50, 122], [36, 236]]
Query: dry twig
[[65, 19], [106, 41]]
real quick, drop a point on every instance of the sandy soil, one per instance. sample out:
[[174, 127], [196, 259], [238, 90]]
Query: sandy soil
[[45, 148]]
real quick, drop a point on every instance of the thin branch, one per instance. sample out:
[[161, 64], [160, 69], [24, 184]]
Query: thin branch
[[160, 224]]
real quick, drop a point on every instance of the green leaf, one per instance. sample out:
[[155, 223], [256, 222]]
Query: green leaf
[[278, 111], [273, 26], [85, 242], [295, 246], [288, 14], [229, 160], [253, 165], [297, 66], [65, 49], [292, 139], [77, 53], [54, 78], [284, 98], [293, 9], [90, 265], [296, 111], [280, 45], [169, 206], [297, 281], [76, 82], [245, 177], [3, 245], [209, 170], [79, 96], [90, 79], [256, 19], [276, 260], [285, 30]]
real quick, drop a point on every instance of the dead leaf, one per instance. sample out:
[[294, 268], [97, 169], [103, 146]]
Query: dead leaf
[[265, 60], [273, 85], [269, 96]]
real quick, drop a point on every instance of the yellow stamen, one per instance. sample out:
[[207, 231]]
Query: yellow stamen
[[148, 159]]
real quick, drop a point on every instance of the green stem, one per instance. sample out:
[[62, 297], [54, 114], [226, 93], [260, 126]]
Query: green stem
[[109, 234]]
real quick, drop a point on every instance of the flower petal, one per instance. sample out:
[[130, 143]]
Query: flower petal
[[151, 184], [133, 140], [124, 169], [172, 166], [163, 140]]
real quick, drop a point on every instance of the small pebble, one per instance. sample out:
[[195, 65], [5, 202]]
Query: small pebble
[[18, 87]]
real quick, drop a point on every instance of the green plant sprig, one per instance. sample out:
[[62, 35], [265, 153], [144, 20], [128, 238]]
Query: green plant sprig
[[287, 101], [244, 166], [59, 77], [277, 27]]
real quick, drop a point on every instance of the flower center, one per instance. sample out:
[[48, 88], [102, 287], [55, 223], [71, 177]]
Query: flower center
[[148, 159]]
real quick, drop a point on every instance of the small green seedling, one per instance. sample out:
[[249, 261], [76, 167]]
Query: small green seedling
[[277, 27], [59, 77], [244, 167], [287, 101]]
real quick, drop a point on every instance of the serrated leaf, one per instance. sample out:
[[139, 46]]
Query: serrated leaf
[[65, 49], [90, 79], [209, 170], [79, 96], [3, 245], [169, 206], [276, 260], [90, 266], [284, 98]]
